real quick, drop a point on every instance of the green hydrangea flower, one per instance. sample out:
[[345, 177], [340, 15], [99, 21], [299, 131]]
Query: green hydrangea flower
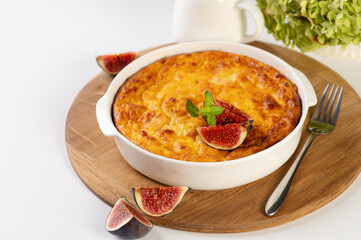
[[311, 24]]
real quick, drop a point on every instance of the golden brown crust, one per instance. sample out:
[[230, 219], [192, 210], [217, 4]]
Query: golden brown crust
[[150, 107]]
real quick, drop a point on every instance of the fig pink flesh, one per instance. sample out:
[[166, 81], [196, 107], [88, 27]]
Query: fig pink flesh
[[114, 63], [126, 58], [122, 213], [139, 216], [119, 216], [111, 63], [224, 137], [158, 201], [231, 114]]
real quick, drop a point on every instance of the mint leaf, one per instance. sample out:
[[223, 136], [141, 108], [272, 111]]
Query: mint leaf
[[208, 112], [193, 110], [208, 99], [205, 111], [216, 110], [211, 119]]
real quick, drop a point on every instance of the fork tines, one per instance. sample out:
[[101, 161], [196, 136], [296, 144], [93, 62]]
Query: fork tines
[[328, 109]]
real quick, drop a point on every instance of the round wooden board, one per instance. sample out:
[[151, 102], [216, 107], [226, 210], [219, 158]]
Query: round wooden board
[[330, 166]]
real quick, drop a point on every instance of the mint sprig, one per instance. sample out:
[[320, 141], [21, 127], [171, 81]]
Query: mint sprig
[[208, 112], [193, 110]]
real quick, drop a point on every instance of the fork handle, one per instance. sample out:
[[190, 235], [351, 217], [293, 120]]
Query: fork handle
[[279, 194]]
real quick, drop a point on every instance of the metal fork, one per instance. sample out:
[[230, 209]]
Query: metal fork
[[320, 123]]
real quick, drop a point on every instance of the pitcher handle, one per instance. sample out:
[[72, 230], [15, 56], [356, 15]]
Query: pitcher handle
[[258, 17]]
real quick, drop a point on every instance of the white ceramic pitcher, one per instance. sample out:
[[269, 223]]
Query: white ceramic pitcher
[[215, 20]]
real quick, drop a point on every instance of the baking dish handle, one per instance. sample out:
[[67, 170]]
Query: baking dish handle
[[104, 117], [311, 95]]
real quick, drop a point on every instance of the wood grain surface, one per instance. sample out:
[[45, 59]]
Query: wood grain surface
[[330, 166]]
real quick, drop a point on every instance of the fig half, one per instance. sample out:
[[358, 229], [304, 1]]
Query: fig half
[[126, 222], [158, 201], [223, 137], [114, 63], [232, 114]]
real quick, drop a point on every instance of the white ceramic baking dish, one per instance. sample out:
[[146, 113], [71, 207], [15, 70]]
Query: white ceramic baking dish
[[201, 175]]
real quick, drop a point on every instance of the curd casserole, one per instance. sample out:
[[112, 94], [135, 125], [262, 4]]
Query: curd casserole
[[150, 107]]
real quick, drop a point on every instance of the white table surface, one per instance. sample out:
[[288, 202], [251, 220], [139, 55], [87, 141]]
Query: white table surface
[[48, 51]]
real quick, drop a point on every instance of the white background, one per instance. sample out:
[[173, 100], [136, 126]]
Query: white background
[[48, 51]]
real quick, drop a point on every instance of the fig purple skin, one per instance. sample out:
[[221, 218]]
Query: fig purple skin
[[126, 222], [132, 230]]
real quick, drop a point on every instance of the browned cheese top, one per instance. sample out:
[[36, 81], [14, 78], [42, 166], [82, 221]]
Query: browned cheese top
[[150, 107]]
